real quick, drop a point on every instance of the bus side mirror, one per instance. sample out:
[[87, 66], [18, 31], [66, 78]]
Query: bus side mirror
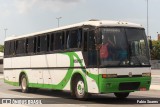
[[150, 44]]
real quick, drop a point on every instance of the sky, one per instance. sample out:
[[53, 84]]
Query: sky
[[27, 16]]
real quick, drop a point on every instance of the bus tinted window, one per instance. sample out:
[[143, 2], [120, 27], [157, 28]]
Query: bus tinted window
[[31, 43], [51, 42], [6, 48], [59, 41], [92, 53], [20, 46], [74, 38], [43, 43], [12, 48], [91, 42], [37, 44]]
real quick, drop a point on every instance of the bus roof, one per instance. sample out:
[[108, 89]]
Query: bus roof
[[96, 23]]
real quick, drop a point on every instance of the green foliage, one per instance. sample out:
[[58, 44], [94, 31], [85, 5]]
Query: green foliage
[[1, 48], [155, 52]]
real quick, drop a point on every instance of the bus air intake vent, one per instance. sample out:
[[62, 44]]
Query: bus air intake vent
[[129, 86]]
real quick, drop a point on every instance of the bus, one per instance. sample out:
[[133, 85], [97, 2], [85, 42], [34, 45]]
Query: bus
[[91, 57]]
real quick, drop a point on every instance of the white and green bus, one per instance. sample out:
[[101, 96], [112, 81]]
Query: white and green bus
[[96, 56]]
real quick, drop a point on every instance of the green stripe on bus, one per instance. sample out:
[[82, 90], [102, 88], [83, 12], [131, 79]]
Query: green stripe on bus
[[67, 77], [11, 83], [109, 85]]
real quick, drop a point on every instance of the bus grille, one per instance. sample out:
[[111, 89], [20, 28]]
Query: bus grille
[[129, 86]]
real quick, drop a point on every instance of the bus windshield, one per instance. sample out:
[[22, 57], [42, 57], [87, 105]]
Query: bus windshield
[[123, 47]]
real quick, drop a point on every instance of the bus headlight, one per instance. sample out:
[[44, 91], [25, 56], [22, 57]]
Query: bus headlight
[[146, 74], [109, 75]]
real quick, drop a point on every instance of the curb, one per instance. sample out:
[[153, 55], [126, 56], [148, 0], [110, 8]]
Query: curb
[[155, 87]]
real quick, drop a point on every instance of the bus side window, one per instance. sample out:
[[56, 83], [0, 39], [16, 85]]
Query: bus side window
[[43, 43], [59, 41], [12, 48], [48, 40], [26, 48], [74, 38], [20, 46], [30, 48], [37, 44], [79, 40], [51, 42], [92, 53], [91, 41], [7, 48], [85, 41]]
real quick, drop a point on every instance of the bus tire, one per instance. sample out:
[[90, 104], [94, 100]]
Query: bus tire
[[122, 95], [24, 84], [79, 88]]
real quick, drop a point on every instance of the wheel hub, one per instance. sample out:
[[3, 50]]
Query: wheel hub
[[80, 88], [24, 83]]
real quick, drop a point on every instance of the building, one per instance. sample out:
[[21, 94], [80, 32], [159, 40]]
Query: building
[[1, 62]]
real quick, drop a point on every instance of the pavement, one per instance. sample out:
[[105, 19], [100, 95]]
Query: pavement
[[155, 84], [1, 76]]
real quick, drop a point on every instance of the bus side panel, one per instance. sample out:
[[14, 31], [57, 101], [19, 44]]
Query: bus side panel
[[21, 62], [43, 61], [7, 63], [32, 75], [78, 59], [92, 80], [62, 60], [9, 75]]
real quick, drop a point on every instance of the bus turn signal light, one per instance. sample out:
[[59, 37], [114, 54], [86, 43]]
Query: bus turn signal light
[[109, 75], [142, 89], [104, 75]]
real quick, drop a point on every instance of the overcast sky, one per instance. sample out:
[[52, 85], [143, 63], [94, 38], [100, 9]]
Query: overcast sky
[[27, 16]]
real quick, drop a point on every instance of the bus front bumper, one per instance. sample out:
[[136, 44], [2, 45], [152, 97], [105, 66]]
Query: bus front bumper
[[111, 85]]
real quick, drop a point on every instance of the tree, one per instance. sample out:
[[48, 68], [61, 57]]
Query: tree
[[1, 48], [155, 52]]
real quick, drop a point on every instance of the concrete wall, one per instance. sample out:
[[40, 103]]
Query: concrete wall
[[155, 64]]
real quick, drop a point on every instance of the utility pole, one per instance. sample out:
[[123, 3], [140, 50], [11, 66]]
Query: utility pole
[[58, 18], [147, 19], [5, 31]]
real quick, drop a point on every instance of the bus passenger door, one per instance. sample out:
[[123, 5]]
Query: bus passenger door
[[90, 57]]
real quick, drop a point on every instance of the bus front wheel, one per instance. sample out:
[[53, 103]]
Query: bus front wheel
[[79, 88], [122, 94]]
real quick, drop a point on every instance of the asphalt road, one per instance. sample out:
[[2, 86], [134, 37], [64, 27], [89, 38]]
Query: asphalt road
[[63, 98]]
